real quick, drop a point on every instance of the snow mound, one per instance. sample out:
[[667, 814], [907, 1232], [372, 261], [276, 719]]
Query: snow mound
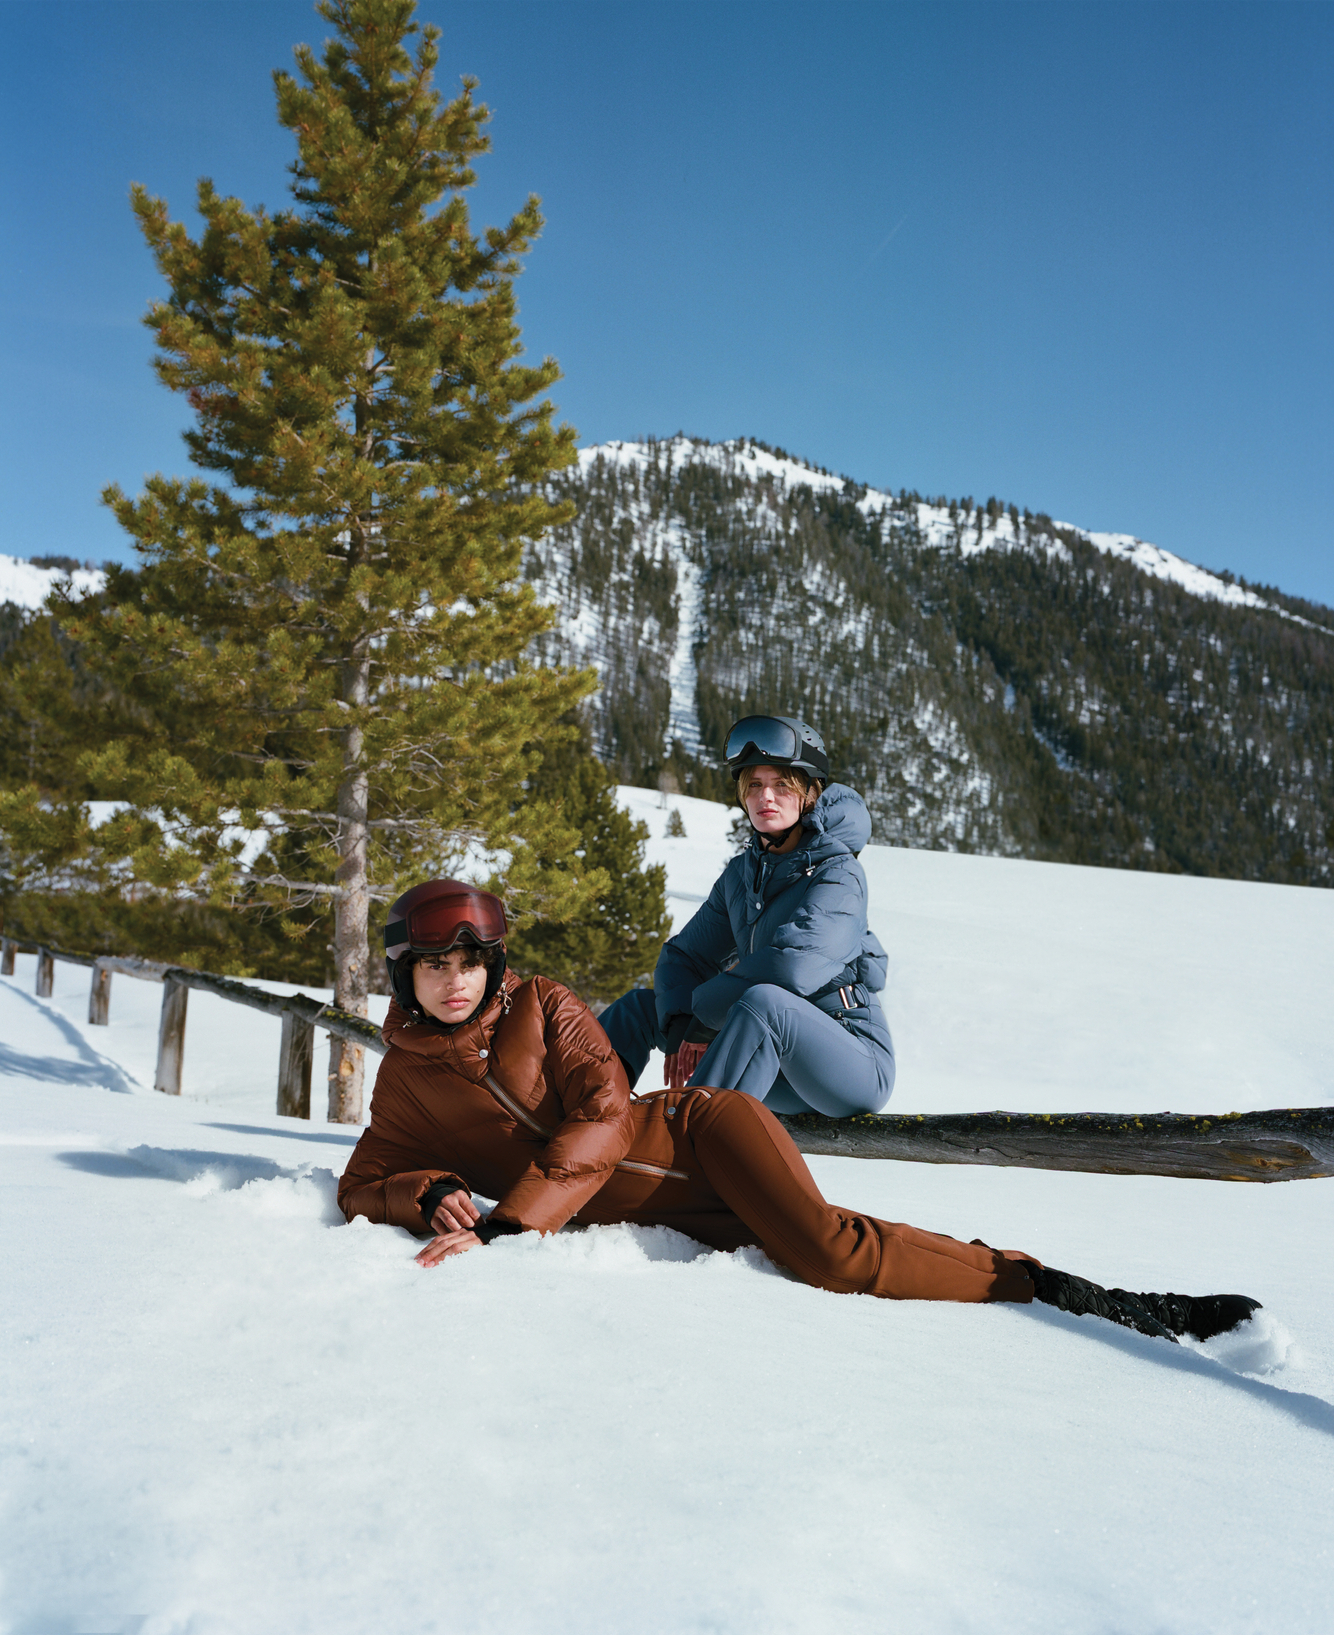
[[258, 1185], [600, 1250], [1260, 1346]]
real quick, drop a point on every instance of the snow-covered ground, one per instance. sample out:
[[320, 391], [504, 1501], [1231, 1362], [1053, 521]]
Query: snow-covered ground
[[223, 1411]]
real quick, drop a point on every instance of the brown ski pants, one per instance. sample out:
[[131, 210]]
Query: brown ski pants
[[747, 1183]]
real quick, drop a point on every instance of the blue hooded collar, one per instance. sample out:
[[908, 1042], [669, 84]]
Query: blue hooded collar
[[837, 823]]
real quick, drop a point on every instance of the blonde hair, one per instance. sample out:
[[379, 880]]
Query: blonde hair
[[791, 778]]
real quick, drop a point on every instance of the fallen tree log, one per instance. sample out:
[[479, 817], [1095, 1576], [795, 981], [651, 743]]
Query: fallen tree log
[[1283, 1144]]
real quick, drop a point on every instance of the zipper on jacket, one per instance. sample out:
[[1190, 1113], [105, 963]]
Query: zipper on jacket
[[524, 1117], [761, 880], [515, 1110], [637, 1167]]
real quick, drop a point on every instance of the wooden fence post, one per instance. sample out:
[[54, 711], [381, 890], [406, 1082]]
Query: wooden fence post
[[295, 1056], [6, 958], [171, 1037], [46, 973], [99, 996]]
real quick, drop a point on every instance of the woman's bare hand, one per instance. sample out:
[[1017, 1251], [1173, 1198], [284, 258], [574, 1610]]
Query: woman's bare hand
[[455, 1213], [449, 1243], [678, 1068]]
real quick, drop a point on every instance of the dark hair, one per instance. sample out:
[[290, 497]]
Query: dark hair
[[473, 955]]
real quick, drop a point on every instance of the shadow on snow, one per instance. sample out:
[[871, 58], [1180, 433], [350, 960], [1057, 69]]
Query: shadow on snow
[[91, 1069], [292, 1135], [1311, 1412]]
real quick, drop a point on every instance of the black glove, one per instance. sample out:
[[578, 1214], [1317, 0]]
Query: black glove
[[686, 1030], [675, 1032]]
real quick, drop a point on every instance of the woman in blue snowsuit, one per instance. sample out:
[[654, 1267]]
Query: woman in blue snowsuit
[[777, 973]]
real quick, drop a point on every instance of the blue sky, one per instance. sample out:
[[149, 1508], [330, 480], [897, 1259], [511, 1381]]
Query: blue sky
[[1074, 255]]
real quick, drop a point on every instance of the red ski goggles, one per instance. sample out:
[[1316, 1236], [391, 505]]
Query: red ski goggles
[[441, 922]]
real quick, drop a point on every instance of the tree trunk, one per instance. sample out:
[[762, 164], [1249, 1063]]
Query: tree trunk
[[347, 1061]]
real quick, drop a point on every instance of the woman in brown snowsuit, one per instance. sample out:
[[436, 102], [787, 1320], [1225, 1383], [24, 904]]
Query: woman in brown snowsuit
[[511, 1089]]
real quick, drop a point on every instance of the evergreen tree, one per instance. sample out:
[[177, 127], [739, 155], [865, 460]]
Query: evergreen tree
[[613, 943], [57, 882], [42, 690], [326, 648]]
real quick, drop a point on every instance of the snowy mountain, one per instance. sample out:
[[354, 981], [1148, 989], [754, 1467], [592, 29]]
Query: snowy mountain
[[941, 523], [991, 679]]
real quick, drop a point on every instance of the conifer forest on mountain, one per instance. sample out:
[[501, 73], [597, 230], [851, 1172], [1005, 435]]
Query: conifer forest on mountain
[[1046, 700]]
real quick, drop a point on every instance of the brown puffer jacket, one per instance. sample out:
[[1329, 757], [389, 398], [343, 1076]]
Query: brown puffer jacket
[[530, 1105], [434, 1118]]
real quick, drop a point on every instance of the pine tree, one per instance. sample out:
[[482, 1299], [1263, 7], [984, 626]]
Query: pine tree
[[42, 688], [327, 646], [57, 882], [613, 943]]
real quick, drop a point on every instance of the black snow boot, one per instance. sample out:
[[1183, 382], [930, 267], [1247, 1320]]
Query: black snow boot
[[1201, 1317], [1084, 1299]]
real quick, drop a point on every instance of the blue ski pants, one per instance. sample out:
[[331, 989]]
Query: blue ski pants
[[775, 1046]]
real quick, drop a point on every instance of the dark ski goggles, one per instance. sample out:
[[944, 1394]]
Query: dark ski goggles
[[762, 735], [436, 926]]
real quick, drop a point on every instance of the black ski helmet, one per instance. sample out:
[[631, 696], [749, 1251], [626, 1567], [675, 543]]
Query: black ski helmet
[[433, 918], [776, 740]]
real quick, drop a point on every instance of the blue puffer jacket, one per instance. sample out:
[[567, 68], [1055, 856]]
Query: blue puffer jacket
[[798, 921]]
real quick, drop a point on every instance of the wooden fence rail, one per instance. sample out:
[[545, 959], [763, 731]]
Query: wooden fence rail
[[300, 1014], [1284, 1144]]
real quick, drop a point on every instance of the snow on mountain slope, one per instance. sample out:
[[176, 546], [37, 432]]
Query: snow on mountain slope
[[225, 1411], [746, 458], [28, 586], [977, 533]]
